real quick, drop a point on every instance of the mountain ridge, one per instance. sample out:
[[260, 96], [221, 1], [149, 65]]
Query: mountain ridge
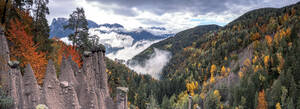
[[250, 59], [57, 30], [176, 43]]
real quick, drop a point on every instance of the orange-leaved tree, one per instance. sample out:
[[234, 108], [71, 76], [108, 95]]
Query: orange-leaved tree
[[262, 103], [269, 40], [24, 49], [66, 51], [70, 50]]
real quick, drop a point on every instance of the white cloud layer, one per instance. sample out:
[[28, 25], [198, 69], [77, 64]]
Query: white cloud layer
[[174, 21], [155, 64], [66, 40], [130, 51], [113, 39]]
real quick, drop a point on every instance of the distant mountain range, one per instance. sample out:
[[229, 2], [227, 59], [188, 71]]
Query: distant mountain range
[[57, 30], [57, 27], [120, 42]]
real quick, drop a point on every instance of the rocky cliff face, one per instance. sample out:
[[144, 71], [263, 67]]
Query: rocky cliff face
[[85, 88], [4, 58]]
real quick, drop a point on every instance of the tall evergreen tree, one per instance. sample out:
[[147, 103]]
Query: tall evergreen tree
[[4, 12], [165, 103], [8, 9], [41, 28], [79, 24]]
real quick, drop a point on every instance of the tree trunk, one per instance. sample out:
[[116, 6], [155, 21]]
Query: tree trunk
[[4, 12]]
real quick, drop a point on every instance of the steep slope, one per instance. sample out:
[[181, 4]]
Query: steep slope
[[140, 86], [238, 34], [177, 42], [252, 62], [246, 64]]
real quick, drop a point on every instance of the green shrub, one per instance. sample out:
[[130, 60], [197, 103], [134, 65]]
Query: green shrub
[[5, 100]]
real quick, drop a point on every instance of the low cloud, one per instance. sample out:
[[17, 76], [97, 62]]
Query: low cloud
[[128, 52], [66, 40], [155, 64], [128, 48]]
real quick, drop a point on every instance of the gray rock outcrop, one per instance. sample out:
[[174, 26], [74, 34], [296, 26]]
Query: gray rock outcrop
[[67, 72], [87, 96], [94, 72], [31, 89], [122, 98], [10, 77], [4, 58], [56, 94], [76, 88], [16, 88], [52, 94]]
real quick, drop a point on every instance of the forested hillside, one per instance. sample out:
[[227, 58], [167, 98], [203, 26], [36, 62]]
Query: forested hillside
[[253, 62], [178, 42], [250, 63], [141, 87]]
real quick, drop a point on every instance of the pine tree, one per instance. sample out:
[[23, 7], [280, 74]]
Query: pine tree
[[79, 24], [10, 10], [4, 12], [41, 29], [166, 103]]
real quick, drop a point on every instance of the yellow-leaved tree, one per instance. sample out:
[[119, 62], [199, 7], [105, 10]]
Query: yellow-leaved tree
[[266, 60], [191, 87], [223, 71], [278, 106]]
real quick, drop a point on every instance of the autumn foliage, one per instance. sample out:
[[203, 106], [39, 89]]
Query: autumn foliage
[[269, 40], [25, 50], [69, 50], [266, 60], [64, 50], [262, 103], [191, 87], [213, 68], [255, 36]]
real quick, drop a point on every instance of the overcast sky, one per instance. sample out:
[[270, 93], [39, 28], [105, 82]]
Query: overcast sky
[[175, 15]]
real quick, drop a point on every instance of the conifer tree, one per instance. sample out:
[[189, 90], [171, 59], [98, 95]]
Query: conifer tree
[[10, 9], [79, 24], [4, 12], [41, 29]]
